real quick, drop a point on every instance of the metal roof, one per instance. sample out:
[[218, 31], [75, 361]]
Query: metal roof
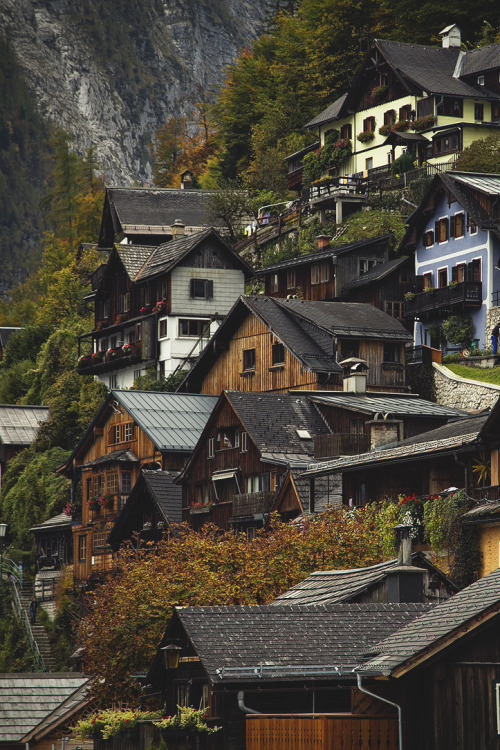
[[56, 522], [173, 421], [397, 405], [485, 183], [19, 424]]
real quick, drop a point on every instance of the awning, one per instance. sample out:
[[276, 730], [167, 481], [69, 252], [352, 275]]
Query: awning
[[225, 474], [396, 136]]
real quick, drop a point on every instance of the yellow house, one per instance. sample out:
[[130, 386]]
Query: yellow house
[[429, 101]]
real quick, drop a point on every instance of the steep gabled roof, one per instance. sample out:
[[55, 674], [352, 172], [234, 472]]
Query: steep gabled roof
[[330, 113], [481, 59], [32, 704], [133, 257], [442, 626], [61, 521], [335, 586], [272, 420], [377, 273], [244, 643], [19, 425]]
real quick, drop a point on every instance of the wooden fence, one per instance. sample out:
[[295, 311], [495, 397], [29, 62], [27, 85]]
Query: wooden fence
[[321, 732]]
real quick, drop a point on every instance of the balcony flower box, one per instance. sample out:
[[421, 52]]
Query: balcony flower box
[[366, 136], [160, 307], [409, 295], [94, 504], [127, 349], [379, 92], [113, 353], [97, 357], [430, 290], [401, 125], [421, 123], [84, 359], [145, 309], [200, 508]]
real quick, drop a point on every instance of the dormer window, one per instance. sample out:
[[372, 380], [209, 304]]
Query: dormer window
[[480, 80]]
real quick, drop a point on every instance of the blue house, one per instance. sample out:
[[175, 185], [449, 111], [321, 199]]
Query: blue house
[[455, 236]]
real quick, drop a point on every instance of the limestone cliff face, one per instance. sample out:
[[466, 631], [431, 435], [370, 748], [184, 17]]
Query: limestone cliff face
[[112, 71]]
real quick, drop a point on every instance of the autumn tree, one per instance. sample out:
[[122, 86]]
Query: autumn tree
[[127, 615]]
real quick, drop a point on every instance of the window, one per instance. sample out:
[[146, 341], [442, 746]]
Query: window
[[450, 107], [320, 272], [479, 111], [147, 295], [391, 353], [99, 537], [346, 132], [211, 447], [278, 354], [227, 437], [122, 433], [369, 124], [480, 80], [82, 548], [459, 272], [471, 224], [405, 112], [290, 279], [138, 332], [244, 442], [112, 483], [425, 107], [274, 282], [258, 483], [429, 238], [131, 337], [202, 289], [126, 478], [369, 164], [457, 225], [495, 111], [442, 277], [248, 359], [163, 328], [137, 374], [162, 292], [441, 229], [348, 348], [106, 308], [446, 144], [366, 264], [112, 382], [193, 327], [428, 280], [315, 273], [389, 117], [394, 309], [474, 270], [124, 302]]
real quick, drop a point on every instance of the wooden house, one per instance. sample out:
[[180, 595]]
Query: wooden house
[[38, 710], [442, 672], [274, 659], [19, 426], [157, 306], [133, 430], [53, 551], [323, 274], [270, 344], [431, 102], [384, 286], [243, 454], [154, 507]]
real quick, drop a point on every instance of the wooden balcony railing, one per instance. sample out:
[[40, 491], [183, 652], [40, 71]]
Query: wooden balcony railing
[[340, 444], [464, 294], [250, 503], [320, 731], [485, 494], [334, 187], [119, 357], [422, 355]]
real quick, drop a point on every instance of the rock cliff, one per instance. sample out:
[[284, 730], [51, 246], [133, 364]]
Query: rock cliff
[[112, 71]]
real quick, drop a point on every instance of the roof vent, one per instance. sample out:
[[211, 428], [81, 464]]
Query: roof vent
[[304, 434], [451, 36]]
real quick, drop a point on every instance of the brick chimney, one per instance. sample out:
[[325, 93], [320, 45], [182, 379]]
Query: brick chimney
[[451, 36], [178, 229], [323, 241], [384, 429]]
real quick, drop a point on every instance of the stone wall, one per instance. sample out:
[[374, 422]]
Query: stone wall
[[492, 317], [461, 393]]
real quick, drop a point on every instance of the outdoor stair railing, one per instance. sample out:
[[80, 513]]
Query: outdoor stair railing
[[23, 619]]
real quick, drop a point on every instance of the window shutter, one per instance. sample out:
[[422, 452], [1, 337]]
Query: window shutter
[[454, 273], [209, 289], [436, 232], [191, 287], [452, 226]]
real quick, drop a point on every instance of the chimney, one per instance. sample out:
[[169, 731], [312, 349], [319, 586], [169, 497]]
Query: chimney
[[186, 180], [178, 229], [451, 36], [384, 430], [323, 241], [405, 583], [355, 375]]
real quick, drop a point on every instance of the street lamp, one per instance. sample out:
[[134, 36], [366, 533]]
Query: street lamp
[[3, 531], [171, 655]]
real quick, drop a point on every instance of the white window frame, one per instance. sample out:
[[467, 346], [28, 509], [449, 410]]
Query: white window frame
[[211, 447]]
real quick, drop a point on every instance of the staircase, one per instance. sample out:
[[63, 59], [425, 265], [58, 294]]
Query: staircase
[[39, 633]]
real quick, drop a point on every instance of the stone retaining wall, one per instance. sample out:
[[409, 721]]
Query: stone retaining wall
[[461, 393]]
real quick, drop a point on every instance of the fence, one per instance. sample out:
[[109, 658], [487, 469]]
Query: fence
[[23, 619]]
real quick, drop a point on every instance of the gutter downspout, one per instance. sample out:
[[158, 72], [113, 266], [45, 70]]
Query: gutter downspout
[[385, 700], [241, 704]]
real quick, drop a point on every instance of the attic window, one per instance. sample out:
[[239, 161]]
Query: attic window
[[480, 80], [304, 434]]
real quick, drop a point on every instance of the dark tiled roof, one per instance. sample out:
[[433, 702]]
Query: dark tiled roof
[[330, 113], [122, 456], [19, 424], [377, 273], [133, 257], [30, 700], [156, 207], [166, 494], [56, 522], [234, 643], [487, 512], [441, 623], [272, 421], [168, 254], [481, 59], [329, 252]]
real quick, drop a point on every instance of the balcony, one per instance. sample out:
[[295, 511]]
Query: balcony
[[251, 503], [334, 188], [117, 359], [461, 295], [341, 444]]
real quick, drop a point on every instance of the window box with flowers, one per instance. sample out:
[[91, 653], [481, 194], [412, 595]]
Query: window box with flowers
[[366, 136], [421, 123], [160, 307], [409, 295], [94, 503], [127, 349], [200, 507], [85, 359], [113, 353], [97, 356], [430, 290], [401, 125], [453, 284], [385, 129], [107, 501], [145, 309], [378, 92]]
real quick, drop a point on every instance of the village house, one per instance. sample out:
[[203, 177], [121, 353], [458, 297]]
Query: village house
[[454, 236], [430, 102], [156, 307], [19, 427], [133, 430], [270, 344]]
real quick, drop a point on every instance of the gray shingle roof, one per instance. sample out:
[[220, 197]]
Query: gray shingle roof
[[377, 273], [133, 257], [121, 456], [56, 522], [29, 700], [155, 207], [485, 183], [481, 59], [167, 495], [19, 424], [248, 643], [441, 623], [173, 421], [330, 113], [272, 421], [398, 404]]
